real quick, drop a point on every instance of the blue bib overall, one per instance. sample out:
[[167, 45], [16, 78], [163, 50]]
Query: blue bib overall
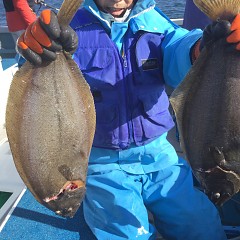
[[132, 166]]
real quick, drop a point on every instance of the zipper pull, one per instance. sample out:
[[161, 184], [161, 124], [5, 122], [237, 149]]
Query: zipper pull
[[124, 58], [124, 61]]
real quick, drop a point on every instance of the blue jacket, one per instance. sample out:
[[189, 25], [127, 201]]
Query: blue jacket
[[127, 65]]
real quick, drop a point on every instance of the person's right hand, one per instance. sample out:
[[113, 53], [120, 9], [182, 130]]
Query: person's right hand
[[44, 37]]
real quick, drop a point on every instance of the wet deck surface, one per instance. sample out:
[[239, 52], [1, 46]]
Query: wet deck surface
[[30, 220]]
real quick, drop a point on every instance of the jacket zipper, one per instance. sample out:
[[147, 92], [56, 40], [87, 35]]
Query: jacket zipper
[[128, 102]]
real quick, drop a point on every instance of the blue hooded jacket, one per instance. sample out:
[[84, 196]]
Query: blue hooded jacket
[[127, 66]]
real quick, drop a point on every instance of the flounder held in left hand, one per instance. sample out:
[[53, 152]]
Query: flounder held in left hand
[[207, 107]]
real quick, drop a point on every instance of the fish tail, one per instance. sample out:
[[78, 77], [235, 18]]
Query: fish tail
[[219, 9]]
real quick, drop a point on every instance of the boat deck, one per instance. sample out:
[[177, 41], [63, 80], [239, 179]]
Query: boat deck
[[30, 220]]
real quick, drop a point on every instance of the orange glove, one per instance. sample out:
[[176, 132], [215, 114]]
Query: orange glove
[[44, 37], [234, 36]]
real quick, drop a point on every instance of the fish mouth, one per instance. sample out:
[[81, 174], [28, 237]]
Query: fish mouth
[[218, 184], [67, 201], [68, 186]]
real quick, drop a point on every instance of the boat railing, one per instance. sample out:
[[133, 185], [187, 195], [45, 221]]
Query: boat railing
[[178, 21], [7, 43]]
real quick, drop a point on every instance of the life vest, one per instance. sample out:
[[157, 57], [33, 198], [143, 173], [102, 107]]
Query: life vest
[[18, 14], [128, 89]]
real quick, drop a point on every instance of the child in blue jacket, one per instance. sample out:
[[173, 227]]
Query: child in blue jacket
[[128, 51]]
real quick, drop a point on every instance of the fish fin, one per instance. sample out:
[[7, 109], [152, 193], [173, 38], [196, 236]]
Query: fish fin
[[14, 109], [223, 9], [180, 95], [218, 155]]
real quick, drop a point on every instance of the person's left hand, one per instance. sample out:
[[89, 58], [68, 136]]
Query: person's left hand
[[218, 30], [222, 29]]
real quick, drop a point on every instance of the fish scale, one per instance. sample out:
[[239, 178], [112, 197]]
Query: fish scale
[[207, 108], [50, 123]]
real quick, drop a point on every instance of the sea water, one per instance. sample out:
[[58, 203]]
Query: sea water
[[172, 8]]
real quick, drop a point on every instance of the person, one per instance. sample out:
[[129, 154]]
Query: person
[[19, 15], [193, 17], [128, 51]]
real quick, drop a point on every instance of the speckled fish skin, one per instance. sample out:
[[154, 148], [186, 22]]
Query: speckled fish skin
[[207, 108], [50, 122]]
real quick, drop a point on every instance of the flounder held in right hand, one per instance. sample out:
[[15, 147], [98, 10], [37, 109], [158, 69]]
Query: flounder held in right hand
[[50, 122], [207, 108]]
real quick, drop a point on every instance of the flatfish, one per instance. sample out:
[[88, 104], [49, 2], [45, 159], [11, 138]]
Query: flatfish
[[207, 108], [50, 123]]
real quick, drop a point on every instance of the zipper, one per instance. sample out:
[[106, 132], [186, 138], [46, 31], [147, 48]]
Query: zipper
[[128, 102], [124, 58]]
